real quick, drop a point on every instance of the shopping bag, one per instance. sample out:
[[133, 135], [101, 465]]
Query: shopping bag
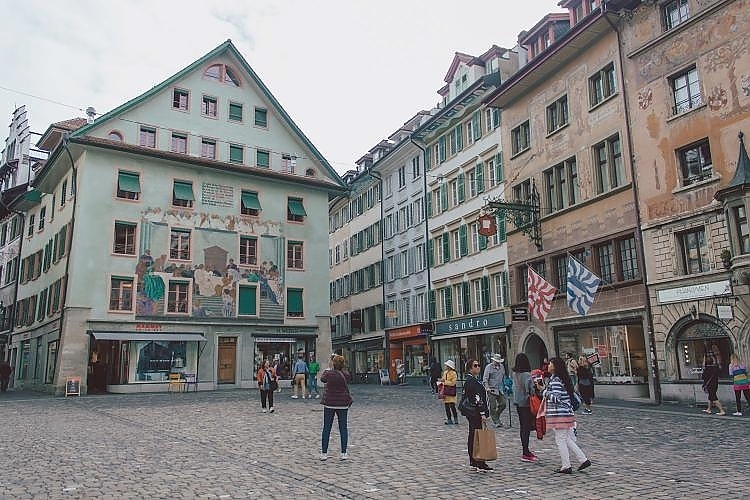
[[540, 425], [485, 447]]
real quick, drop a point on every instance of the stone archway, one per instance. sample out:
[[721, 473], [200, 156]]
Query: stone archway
[[536, 350]]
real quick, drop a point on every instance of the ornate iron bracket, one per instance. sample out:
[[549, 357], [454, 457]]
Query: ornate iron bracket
[[525, 215]]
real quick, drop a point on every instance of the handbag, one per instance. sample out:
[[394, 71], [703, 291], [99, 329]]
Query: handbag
[[485, 446], [273, 386], [449, 390], [467, 408], [540, 423]]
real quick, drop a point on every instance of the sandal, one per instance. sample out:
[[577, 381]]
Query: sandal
[[707, 411], [721, 413]]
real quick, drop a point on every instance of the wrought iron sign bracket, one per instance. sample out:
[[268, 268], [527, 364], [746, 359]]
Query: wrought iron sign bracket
[[525, 215]]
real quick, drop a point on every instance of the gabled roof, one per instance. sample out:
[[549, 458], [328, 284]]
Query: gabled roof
[[545, 22], [459, 58], [53, 135], [226, 47]]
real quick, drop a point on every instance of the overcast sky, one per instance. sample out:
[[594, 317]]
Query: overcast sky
[[349, 72]]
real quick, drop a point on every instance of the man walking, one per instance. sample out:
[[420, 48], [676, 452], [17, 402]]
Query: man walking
[[494, 375], [300, 374]]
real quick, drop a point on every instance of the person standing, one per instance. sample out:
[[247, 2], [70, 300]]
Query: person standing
[[5, 371], [265, 377], [300, 374], [336, 402], [475, 393], [711, 384], [585, 383], [450, 379], [572, 365], [522, 389], [434, 374], [312, 377], [494, 375], [561, 417], [740, 383]]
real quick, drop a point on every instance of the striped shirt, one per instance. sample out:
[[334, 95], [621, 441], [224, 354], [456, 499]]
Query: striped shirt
[[560, 414]]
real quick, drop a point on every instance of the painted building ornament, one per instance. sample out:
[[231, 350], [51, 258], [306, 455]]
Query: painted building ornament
[[718, 98], [745, 84], [644, 98]]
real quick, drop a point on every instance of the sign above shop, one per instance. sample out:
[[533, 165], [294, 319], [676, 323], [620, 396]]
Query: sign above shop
[[148, 327], [470, 323], [691, 292], [520, 314]]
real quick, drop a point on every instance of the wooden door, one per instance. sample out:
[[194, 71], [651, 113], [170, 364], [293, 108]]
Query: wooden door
[[227, 360]]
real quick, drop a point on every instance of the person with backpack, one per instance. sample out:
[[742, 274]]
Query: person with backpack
[[561, 401]]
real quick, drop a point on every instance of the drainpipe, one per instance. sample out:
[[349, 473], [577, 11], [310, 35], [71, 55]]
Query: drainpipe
[[636, 200], [427, 239], [386, 344]]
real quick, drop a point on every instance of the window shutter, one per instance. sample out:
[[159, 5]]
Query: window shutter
[[448, 302], [441, 149], [463, 239], [247, 301], [482, 242], [430, 253], [479, 170], [443, 197], [432, 305], [459, 136], [294, 301], [446, 248], [477, 120], [485, 293], [506, 288], [467, 297], [21, 275], [499, 167], [501, 234], [461, 187], [427, 159], [428, 202]]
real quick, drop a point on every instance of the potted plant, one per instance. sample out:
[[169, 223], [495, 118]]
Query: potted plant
[[726, 258]]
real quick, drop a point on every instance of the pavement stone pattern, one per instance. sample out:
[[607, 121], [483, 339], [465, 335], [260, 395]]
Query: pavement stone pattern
[[218, 444]]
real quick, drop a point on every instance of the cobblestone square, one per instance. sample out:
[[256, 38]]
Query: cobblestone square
[[219, 445]]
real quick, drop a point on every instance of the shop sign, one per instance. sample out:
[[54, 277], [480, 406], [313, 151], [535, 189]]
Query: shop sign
[[402, 333], [470, 323], [520, 314], [601, 350], [271, 340], [691, 292], [425, 328], [148, 327]]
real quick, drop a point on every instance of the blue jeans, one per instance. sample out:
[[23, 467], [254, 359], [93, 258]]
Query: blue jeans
[[312, 384], [328, 414]]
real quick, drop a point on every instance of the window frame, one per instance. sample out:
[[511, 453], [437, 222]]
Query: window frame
[[693, 101], [557, 115], [605, 81], [171, 307], [124, 280], [684, 247], [613, 164], [206, 102], [264, 113], [207, 142], [144, 131], [177, 103], [183, 203], [179, 136], [678, 7], [233, 150], [248, 253], [258, 154], [131, 240], [229, 112], [179, 253], [295, 255], [520, 137], [702, 147]]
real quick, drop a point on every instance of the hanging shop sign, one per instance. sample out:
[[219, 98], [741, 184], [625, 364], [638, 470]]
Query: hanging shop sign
[[520, 314]]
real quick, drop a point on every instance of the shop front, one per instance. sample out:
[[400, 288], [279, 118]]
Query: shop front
[[409, 351], [369, 359], [617, 353], [470, 337], [281, 351]]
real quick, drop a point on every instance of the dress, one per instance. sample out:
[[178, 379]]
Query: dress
[[711, 381]]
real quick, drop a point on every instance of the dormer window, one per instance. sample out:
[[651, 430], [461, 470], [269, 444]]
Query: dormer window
[[222, 73]]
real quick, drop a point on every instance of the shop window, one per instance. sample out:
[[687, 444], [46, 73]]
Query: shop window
[[294, 303], [156, 359], [693, 251], [697, 340], [369, 361], [278, 354]]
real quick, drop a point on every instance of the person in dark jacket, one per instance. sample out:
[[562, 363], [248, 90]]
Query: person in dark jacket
[[5, 371], [711, 383], [585, 383], [336, 402], [475, 392], [434, 374]]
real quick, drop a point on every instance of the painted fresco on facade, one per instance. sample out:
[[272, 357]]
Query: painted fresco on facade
[[209, 259]]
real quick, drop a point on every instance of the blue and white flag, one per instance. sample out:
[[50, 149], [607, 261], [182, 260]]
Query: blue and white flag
[[582, 285]]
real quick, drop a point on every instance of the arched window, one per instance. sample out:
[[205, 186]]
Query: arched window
[[222, 73], [114, 135], [695, 341]]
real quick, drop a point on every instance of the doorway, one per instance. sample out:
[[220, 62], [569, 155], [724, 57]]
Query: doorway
[[227, 357], [535, 350]]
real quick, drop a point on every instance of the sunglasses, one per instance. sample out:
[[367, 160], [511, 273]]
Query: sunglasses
[[475, 365]]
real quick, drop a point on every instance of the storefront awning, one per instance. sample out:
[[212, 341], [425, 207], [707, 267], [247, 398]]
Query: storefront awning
[[171, 337]]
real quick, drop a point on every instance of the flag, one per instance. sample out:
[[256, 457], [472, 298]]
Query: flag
[[582, 285], [540, 295]]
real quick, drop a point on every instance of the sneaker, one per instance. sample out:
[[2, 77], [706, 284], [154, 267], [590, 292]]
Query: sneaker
[[484, 467], [270, 410], [264, 410], [324, 456], [345, 456], [528, 458], [585, 465], [317, 396], [737, 414], [586, 411], [294, 397], [532, 454]]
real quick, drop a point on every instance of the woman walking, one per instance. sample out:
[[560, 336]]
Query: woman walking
[[561, 417], [522, 389], [450, 378], [738, 373], [266, 378], [711, 384], [476, 395], [336, 402], [585, 383]]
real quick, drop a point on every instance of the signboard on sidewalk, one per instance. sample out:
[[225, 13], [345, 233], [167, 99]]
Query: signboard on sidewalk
[[73, 386]]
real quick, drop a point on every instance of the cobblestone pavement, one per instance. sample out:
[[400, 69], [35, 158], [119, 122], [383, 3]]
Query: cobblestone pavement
[[219, 445]]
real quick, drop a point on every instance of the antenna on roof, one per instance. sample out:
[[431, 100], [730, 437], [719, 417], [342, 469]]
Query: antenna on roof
[[91, 114]]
